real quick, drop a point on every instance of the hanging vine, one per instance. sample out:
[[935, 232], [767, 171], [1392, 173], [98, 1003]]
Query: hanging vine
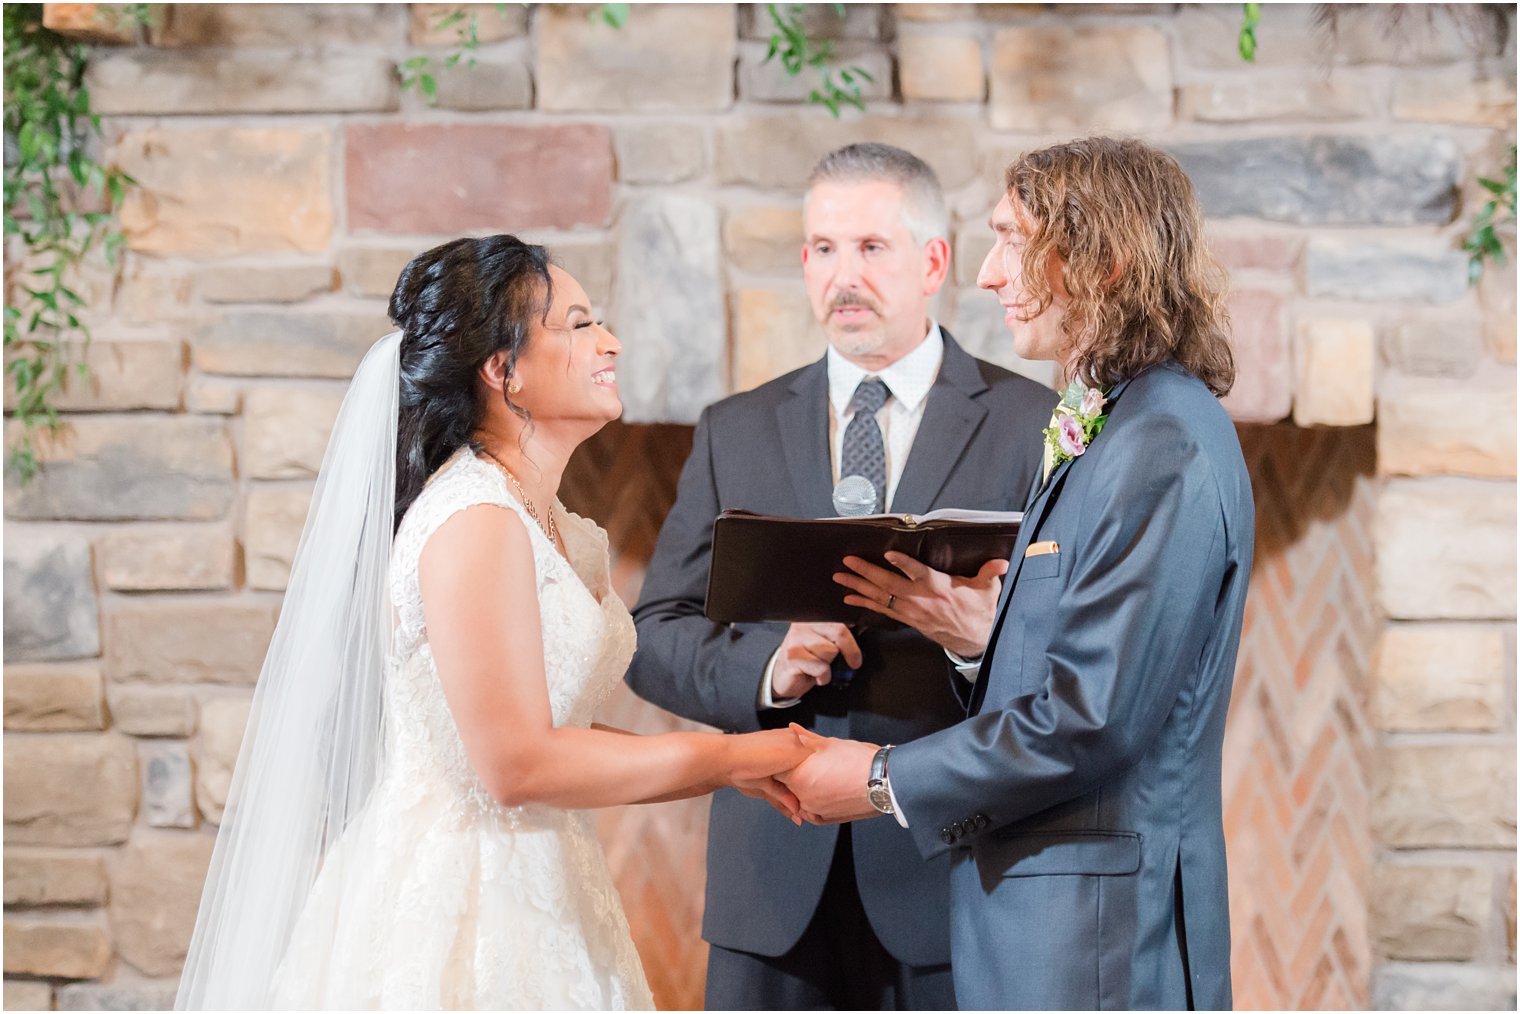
[[52, 175]]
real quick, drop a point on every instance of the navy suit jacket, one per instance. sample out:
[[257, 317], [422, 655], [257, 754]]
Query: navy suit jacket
[[1080, 799], [767, 450]]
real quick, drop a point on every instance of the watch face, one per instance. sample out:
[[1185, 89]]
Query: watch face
[[880, 797]]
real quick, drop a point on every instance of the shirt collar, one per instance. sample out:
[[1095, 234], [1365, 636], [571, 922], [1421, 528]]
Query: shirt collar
[[909, 379]]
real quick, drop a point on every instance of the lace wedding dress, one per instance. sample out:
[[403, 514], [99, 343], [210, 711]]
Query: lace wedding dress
[[436, 896]]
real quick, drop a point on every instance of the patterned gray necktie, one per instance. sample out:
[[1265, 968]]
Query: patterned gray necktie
[[864, 451]]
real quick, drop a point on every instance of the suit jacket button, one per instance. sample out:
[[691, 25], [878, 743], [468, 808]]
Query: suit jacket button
[[947, 836], [959, 828], [982, 820]]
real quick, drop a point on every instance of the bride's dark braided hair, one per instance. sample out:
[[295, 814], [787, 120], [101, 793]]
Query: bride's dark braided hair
[[457, 305]]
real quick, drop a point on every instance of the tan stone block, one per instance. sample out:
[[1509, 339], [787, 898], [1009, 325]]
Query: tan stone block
[[779, 151], [1432, 677], [1435, 345], [1446, 549], [273, 25], [264, 283], [214, 396], [1285, 97], [227, 190], [373, 270], [941, 68], [1365, 34], [869, 69], [1446, 796], [181, 558], [150, 711], [669, 57], [102, 24], [1081, 78], [285, 429], [660, 152], [1334, 361], [1461, 93], [493, 22], [765, 240], [1208, 36], [155, 893], [1256, 252], [1509, 919], [129, 468], [259, 343], [69, 789], [589, 262], [1431, 913], [120, 375], [61, 697], [774, 332], [484, 85], [26, 994], [222, 723], [819, 21], [205, 641], [436, 178], [55, 949], [36, 877], [1448, 427], [150, 292], [272, 521], [143, 82], [1496, 294], [935, 13]]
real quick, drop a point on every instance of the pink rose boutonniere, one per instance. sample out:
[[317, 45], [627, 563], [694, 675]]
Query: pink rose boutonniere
[[1079, 418]]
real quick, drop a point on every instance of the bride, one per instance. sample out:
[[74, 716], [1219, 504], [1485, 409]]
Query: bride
[[406, 824]]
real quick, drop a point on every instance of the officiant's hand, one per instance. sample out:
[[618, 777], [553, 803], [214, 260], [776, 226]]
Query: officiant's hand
[[956, 613], [831, 783], [806, 655]]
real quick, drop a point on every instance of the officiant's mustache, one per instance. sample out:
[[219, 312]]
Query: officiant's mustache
[[852, 299]]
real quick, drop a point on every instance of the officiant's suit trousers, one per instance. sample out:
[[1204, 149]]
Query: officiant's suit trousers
[[820, 916]]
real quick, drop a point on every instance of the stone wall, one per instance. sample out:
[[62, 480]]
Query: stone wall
[[286, 177]]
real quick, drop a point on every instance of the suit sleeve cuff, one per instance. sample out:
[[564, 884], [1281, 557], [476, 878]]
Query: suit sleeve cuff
[[969, 668], [767, 702], [897, 810]]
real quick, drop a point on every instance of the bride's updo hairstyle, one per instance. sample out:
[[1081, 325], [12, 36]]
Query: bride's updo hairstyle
[[457, 305]]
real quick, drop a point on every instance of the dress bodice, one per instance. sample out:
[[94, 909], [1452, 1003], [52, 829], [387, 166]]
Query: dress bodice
[[588, 635]]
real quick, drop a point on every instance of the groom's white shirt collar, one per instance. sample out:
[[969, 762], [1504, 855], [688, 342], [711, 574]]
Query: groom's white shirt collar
[[909, 379]]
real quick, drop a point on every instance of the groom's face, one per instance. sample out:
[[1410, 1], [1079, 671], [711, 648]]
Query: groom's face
[[868, 282], [1002, 273]]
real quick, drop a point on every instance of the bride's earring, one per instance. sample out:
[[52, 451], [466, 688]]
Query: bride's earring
[[514, 386]]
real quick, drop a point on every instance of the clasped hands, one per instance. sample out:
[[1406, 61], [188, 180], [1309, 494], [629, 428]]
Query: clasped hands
[[829, 784]]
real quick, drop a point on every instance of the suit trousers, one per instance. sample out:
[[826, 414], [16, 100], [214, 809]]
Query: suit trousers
[[838, 964]]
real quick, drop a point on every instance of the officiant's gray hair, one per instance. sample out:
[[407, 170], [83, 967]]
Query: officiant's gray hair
[[923, 198]]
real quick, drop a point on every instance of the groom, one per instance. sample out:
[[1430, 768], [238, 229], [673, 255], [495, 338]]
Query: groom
[[826, 917], [1080, 800]]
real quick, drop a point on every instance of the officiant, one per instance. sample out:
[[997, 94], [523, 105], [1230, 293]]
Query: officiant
[[841, 917]]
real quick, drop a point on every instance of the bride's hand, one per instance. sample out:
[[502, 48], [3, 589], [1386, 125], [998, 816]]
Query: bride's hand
[[756, 758]]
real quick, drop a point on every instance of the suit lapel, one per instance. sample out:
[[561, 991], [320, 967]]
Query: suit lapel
[[1044, 495], [951, 419], [804, 423]]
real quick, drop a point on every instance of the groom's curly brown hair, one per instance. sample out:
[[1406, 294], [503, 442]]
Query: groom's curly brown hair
[[1123, 219]]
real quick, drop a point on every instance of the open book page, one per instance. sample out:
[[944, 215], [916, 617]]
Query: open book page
[[946, 514]]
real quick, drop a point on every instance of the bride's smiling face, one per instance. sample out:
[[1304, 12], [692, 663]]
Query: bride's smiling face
[[567, 372]]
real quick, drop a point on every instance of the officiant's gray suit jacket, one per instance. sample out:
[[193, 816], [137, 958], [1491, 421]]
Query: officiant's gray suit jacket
[[1080, 801], [766, 450]]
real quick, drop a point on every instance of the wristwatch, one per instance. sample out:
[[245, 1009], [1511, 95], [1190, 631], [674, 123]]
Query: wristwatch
[[877, 790]]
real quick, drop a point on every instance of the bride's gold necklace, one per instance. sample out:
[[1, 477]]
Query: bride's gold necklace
[[550, 529]]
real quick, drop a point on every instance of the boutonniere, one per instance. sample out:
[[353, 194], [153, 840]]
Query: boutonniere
[[1078, 420]]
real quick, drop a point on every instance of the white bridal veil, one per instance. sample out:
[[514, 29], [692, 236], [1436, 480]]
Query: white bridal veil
[[312, 744]]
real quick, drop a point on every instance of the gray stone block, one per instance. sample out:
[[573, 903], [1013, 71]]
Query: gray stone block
[[1426, 273], [50, 608], [1409, 180], [166, 799], [1443, 987], [130, 467], [669, 309], [93, 996]]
